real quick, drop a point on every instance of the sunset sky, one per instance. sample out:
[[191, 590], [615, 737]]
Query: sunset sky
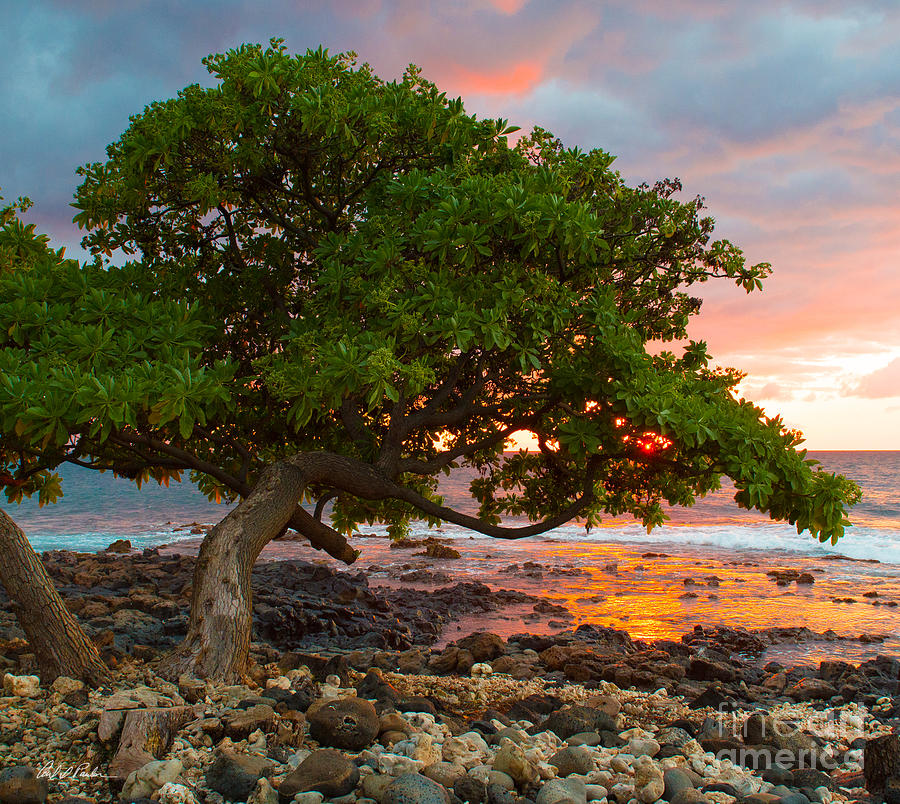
[[785, 116]]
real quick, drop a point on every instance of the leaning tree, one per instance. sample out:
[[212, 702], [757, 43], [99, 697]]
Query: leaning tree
[[363, 288]]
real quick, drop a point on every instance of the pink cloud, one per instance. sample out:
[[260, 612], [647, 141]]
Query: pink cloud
[[508, 6], [882, 383], [514, 79]]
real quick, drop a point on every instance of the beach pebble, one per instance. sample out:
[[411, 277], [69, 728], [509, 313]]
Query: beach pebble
[[573, 759], [676, 780], [413, 788], [595, 792], [145, 781], [63, 685], [263, 793], [444, 773], [642, 746], [171, 793], [557, 791], [511, 760], [649, 784], [307, 797], [21, 686], [326, 770], [470, 790], [235, 775], [374, 785]]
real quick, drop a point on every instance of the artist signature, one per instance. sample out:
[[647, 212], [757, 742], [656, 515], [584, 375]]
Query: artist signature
[[58, 771]]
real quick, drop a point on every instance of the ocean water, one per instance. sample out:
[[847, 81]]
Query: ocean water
[[98, 508], [710, 565]]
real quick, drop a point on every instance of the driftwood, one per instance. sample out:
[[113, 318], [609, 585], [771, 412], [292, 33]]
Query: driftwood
[[147, 735]]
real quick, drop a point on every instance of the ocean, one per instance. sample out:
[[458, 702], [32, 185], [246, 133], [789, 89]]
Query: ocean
[[98, 508], [709, 565]]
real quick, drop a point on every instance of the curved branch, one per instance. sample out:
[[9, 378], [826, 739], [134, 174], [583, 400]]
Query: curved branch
[[495, 531], [322, 502], [191, 460], [323, 537]]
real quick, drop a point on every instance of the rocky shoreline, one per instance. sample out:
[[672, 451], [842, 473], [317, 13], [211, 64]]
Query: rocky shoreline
[[347, 700]]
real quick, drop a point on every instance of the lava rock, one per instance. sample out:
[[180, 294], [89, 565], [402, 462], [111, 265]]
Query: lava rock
[[350, 723]]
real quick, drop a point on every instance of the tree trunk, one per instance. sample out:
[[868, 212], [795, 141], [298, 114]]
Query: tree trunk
[[217, 644], [59, 644]]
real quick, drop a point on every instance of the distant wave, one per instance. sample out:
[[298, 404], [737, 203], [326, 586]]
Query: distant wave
[[859, 542]]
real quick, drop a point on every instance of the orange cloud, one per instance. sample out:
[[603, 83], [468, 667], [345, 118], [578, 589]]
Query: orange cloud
[[508, 6], [519, 78]]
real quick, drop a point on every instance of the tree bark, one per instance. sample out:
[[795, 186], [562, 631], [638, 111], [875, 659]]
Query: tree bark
[[58, 641], [217, 644]]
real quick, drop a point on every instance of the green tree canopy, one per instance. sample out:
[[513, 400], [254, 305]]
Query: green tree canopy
[[357, 278]]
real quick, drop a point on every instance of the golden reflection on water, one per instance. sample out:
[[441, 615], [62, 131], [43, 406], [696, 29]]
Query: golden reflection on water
[[641, 588]]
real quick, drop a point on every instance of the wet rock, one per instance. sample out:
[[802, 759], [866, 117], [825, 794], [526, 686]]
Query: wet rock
[[350, 723], [413, 788], [483, 645], [235, 775], [437, 550], [326, 770], [705, 670], [19, 785], [119, 546], [811, 689]]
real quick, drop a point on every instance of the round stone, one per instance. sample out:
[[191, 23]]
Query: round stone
[[413, 788], [325, 770], [235, 775], [574, 759], [350, 723]]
